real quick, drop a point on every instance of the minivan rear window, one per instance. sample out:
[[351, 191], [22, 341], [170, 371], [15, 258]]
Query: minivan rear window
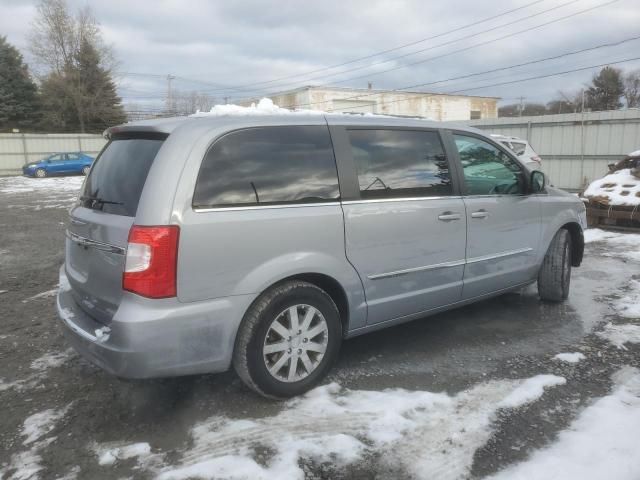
[[117, 177]]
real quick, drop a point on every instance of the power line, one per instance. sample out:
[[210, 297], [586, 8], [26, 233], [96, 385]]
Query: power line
[[537, 77], [535, 27], [449, 42], [382, 52], [494, 70]]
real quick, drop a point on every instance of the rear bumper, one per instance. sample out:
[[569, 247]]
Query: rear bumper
[[155, 338]]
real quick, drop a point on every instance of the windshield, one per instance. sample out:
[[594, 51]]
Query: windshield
[[118, 175]]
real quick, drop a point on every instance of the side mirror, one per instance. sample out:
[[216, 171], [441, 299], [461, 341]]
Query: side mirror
[[538, 181]]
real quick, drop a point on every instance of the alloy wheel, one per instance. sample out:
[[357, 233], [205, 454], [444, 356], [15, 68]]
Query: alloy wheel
[[295, 343]]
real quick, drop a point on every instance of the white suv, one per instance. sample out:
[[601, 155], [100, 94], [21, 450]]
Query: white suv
[[522, 149]]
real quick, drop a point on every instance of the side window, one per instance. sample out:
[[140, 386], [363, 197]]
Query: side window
[[488, 170], [399, 163], [267, 166], [72, 156], [519, 148], [55, 158]]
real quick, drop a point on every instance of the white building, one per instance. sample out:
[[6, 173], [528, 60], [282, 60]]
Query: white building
[[435, 106]]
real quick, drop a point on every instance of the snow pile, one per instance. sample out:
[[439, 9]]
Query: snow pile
[[264, 107], [621, 334], [569, 357], [635, 154], [601, 443], [617, 188], [109, 454], [428, 435]]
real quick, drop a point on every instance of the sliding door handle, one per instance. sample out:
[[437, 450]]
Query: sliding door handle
[[480, 214], [449, 216]]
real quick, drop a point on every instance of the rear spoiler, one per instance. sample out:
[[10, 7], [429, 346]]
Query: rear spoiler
[[160, 127]]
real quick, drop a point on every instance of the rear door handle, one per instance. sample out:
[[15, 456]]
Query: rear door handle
[[480, 214], [449, 216]]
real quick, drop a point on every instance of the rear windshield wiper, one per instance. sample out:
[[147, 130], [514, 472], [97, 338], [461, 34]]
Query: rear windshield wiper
[[99, 201]]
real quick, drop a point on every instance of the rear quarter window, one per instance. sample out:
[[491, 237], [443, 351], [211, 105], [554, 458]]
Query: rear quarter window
[[268, 166], [119, 174]]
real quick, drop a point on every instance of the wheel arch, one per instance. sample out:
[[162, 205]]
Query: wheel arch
[[331, 286], [577, 242]]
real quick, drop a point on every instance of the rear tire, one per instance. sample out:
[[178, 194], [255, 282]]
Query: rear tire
[[310, 341], [85, 171], [554, 278], [41, 173]]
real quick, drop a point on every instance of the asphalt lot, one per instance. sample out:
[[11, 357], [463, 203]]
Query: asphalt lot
[[84, 423]]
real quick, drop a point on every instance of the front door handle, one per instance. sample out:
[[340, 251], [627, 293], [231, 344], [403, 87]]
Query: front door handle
[[449, 216], [480, 214]]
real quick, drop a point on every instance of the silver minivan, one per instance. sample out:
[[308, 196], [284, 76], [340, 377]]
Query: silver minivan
[[263, 241]]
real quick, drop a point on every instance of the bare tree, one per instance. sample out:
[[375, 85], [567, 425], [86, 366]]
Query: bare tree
[[632, 89], [186, 103], [76, 68]]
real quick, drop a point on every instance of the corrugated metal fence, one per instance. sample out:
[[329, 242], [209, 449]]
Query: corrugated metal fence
[[16, 149], [575, 148]]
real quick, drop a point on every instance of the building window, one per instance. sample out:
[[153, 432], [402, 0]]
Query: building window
[[476, 114]]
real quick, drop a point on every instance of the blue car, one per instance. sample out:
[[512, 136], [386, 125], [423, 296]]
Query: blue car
[[77, 163]]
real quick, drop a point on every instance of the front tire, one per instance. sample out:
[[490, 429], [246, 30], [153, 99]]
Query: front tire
[[41, 173], [554, 278], [288, 340]]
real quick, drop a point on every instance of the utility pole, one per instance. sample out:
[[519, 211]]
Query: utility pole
[[582, 182], [521, 106], [169, 93]]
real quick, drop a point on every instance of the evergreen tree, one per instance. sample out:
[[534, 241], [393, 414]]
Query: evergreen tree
[[18, 92], [606, 90]]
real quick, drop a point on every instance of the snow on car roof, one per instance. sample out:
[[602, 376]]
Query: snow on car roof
[[635, 154], [266, 107]]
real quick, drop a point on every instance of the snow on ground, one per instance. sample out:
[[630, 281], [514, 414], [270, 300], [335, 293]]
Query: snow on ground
[[430, 435], [40, 365], [623, 245], [620, 334], [47, 294], [20, 184], [569, 357], [40, 424], [109, 454], [629, 305], [26, 464], [51, 360], [530, 390], [601, 443], [617, 188]]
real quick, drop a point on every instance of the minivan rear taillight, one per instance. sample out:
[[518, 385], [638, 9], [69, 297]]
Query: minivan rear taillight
[[151, 264]]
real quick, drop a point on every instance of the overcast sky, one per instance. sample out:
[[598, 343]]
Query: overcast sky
[[227, 45]]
